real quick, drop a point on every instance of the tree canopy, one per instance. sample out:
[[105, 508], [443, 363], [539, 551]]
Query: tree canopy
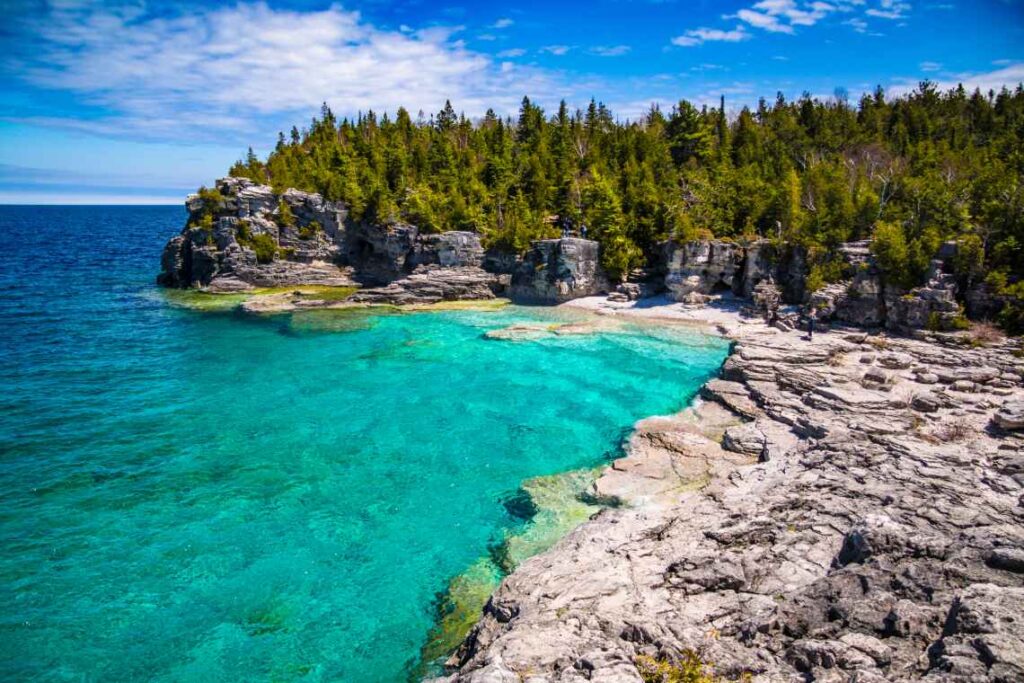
[[920, 168]]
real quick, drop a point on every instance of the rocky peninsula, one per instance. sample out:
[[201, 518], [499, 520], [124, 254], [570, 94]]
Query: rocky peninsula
[[842, 508], [847, 508]]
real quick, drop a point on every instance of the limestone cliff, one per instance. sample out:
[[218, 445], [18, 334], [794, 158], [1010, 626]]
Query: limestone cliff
[[242, 235], [559, 270], [699, 269]]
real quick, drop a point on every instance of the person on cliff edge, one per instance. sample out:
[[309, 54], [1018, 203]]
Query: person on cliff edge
[[811, 317]]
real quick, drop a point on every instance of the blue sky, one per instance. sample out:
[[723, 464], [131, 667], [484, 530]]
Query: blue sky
[[141, 102]]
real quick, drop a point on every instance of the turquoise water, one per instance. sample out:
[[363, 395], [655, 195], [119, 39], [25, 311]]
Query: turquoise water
[[191, 496]]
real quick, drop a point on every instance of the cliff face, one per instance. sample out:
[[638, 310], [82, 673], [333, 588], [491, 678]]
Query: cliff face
[[244, 236], [237, 239], [554, 271], [696, 270], [706, 267]]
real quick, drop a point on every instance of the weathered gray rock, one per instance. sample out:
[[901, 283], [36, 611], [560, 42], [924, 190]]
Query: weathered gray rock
[[216, 248], [703, 267], [449, 250], [320, 246], [876, 545], [746, 438], [1010, 415], [558, 270], [926, 403], [427, 285], [380, 253]]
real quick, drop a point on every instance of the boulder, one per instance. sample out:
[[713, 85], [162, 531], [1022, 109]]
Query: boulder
[[1010, 415], [746, 438], [432, 284], [558, 270], [925, 403]]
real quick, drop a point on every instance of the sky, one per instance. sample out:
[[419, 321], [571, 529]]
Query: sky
[[142, 102]]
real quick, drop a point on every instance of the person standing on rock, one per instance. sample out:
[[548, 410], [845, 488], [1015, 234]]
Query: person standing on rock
[[811, 316]]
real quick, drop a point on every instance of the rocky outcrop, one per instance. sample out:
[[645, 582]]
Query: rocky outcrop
[[857, 520], [428, 284], [700, 268], [557, 270], [237, 239], [238, 224], [703, 267], [867, 300]]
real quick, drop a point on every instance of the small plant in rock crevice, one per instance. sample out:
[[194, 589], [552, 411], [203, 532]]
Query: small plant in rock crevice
[[690, 668]]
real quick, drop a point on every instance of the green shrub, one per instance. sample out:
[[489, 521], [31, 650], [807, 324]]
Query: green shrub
[[308, 232], [243, 232], [265, 247], [961, 323], [285, 217], [1011, 318], [893, 255]]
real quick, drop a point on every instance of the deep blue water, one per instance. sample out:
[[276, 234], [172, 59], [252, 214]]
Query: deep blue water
[[195, 496]]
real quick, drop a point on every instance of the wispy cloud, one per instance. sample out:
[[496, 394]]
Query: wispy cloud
[[610, 50], [699, 36], [889, 9], [767, 22], [930, 66], [557, 50], [504, 22], [197, 75], [858, 25], [1008, 76], [788, 16], [514, 52]]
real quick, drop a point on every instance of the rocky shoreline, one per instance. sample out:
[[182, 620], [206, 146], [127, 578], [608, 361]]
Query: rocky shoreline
[[847, 508], [843, 509]]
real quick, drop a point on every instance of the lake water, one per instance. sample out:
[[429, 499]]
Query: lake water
[[197, 496]]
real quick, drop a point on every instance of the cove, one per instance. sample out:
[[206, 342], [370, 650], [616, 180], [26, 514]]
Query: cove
[[195, 495]]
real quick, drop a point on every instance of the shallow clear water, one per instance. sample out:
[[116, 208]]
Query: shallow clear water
[[190, 496]]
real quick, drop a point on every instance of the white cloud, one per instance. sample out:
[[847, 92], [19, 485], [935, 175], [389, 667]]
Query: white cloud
[[858, 25], [514, 52], [699, 36], [786, 16], [557, 50], [502, 23], [610, 50], [930, 66], [889, 9], [199, 75], [768, 22], [1009, 76]]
